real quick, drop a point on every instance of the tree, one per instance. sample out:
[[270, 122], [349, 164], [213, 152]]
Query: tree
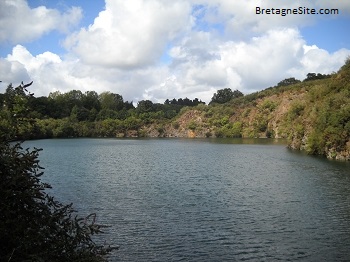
[[58, 103], [90, 100], [225, 95], [183, 102], [145, 106], [79, 113], [33, 225], [111, 101], [237, 94], [40, 106], [314, 76], [288, 81]]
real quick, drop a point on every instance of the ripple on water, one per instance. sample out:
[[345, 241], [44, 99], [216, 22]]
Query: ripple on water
[[190, 200]]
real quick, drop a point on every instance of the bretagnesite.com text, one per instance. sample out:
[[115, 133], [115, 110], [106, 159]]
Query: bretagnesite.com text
[[301, 10]]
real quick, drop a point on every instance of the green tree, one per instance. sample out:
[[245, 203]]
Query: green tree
[[288, 81], [144, 106], [225, 95], [111, 101], [58, 103], [33, 225], [79, 113], [314, 76], [90, 100]]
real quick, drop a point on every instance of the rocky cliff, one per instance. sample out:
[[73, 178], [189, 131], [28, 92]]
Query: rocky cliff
[[314, 116]]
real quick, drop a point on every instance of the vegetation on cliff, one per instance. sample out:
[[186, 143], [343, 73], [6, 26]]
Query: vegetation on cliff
[[312, 114]]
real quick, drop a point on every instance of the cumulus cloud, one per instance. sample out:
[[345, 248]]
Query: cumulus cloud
[[316, 60], [239, 64], [12, 70], [20, 23], [240, 20], [263, 59], [50, 73], [131, 34], [245, 65]]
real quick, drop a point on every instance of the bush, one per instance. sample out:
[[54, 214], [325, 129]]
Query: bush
[[33, 225], [192, 125], [230, 130], [269, 105], [295, 110]]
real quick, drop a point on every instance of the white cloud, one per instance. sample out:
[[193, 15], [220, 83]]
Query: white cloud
[[50, 73], [240, 20], [248, 66], [120, 52], [316, 60], [131, 34], [263, 59], [12, 70], [20, 23]]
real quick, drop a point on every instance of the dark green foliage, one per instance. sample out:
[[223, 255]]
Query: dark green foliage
[[111, 101], [225, 95], [295, 110], [14, 113], [184, 102], [229, 130], [91, 100], [314, 76], [106, 114], [145, 106], [75, 114], [288, 81], [33, 225], [192, 125], [331, 128]]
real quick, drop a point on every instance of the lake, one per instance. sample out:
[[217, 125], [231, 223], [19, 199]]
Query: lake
[[205, 199]]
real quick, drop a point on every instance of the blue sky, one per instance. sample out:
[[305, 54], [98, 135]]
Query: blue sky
[[158, 49], [330, 34]]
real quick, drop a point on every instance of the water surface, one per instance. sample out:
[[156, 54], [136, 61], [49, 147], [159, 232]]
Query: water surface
[[205, 200]]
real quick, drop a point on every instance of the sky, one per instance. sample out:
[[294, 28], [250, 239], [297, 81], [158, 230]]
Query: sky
[[159, 49]]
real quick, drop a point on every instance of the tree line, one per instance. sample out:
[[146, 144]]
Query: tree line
[[89, 114], [91, 106]]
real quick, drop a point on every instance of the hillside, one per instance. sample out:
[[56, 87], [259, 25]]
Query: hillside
[[314, 116]]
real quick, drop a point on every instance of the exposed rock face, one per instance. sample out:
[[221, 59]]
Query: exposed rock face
[[343, 155], [313, 116], [280, 119]]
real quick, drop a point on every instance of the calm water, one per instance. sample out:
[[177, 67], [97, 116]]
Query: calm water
[[205, 200]]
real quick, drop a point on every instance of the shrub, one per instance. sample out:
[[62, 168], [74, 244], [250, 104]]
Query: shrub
[[269, 105], [295, 110], [33, 225], [192, 125]]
